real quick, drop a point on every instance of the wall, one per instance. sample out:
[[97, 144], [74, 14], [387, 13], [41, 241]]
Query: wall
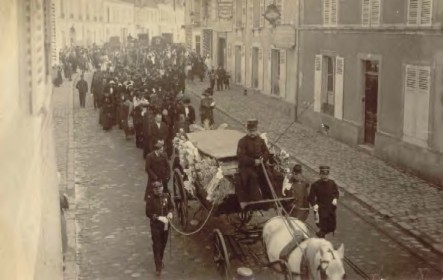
[[30, 238], [394, 45]]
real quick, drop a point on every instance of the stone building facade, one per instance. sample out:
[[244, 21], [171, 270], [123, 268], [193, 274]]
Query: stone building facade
[[371, 70], [30, 238], [366, 70]]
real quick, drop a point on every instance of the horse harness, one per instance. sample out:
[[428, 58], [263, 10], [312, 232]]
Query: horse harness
[[322, 269]]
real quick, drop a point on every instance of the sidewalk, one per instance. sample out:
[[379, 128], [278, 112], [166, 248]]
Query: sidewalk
[[409, 202], [62, 108]]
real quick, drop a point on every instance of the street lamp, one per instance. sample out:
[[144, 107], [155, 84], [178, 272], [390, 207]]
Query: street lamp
[[272, 14]]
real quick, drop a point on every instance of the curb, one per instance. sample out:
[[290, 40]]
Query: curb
[[71, 268], [362, 199]]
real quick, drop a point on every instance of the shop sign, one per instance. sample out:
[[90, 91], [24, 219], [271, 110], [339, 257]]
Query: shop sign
[[284, 36], [225, 8]]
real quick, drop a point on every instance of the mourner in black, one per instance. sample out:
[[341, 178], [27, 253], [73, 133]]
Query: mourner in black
[[207, 105], [159, 131], [159, 211], [157, 167], [187, 110], [251, 152], [82, 87], [323, 198]]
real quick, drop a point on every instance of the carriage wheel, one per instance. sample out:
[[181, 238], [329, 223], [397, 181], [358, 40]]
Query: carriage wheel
[[245, 217], [221, 256], [180, 198]]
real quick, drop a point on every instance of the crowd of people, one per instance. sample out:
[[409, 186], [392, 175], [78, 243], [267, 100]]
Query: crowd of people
[[141, 90]]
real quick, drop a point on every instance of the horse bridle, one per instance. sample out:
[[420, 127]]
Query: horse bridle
[[320, 268]]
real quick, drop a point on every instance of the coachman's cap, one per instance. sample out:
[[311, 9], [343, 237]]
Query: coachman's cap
[[296, 169], [324, 170], [252, 124]]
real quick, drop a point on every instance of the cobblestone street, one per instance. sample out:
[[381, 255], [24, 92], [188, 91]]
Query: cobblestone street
[[112, 234], [405, 199]]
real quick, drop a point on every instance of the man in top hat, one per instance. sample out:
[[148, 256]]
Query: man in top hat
[[323, 198], [188, 110], [159, 211], [82, 87], [300, 191], [251, 152], [207, 105], [157, 167]]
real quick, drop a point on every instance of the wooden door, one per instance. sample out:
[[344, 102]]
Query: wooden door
[[371, 101]]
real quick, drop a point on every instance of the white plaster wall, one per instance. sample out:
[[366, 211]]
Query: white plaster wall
[[30, 239]]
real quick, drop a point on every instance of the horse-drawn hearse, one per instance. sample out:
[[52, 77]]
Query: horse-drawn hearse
[[205, 170]]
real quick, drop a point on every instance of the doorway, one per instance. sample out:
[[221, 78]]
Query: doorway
[[197, 44], [221, 52], [238, 64], [275, 72], [371, 72], [254, 68]]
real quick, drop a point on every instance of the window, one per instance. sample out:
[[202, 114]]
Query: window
[[371, 12], [62, 9], [416, 104], [239, 13], [279, 4], [330, 12], [327, 98], [328, 85], [420, 12], [256, 14]]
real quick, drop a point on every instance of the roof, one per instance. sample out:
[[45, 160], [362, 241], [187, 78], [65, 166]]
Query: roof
[[218, 144]]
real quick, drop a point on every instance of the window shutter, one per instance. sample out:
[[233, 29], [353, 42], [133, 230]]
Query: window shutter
[[250, 13], [338, 98], [366, 4], [248, 81], [243, 13], [262, 12], [234, 12], [375, 12], [411, 81], [426, 12], [279, 4], [317, 82], [413, 8], [423, 93], [268, 74], [36, 49], [334, 12], [282, 81], [260, 68], [326, 12]]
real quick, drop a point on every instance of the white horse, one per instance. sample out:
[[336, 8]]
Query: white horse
[[323, 261]]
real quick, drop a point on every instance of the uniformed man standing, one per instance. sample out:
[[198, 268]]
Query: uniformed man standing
[[157, 167], [323, 198], [300, 191], [251, 152], [159, 211]]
